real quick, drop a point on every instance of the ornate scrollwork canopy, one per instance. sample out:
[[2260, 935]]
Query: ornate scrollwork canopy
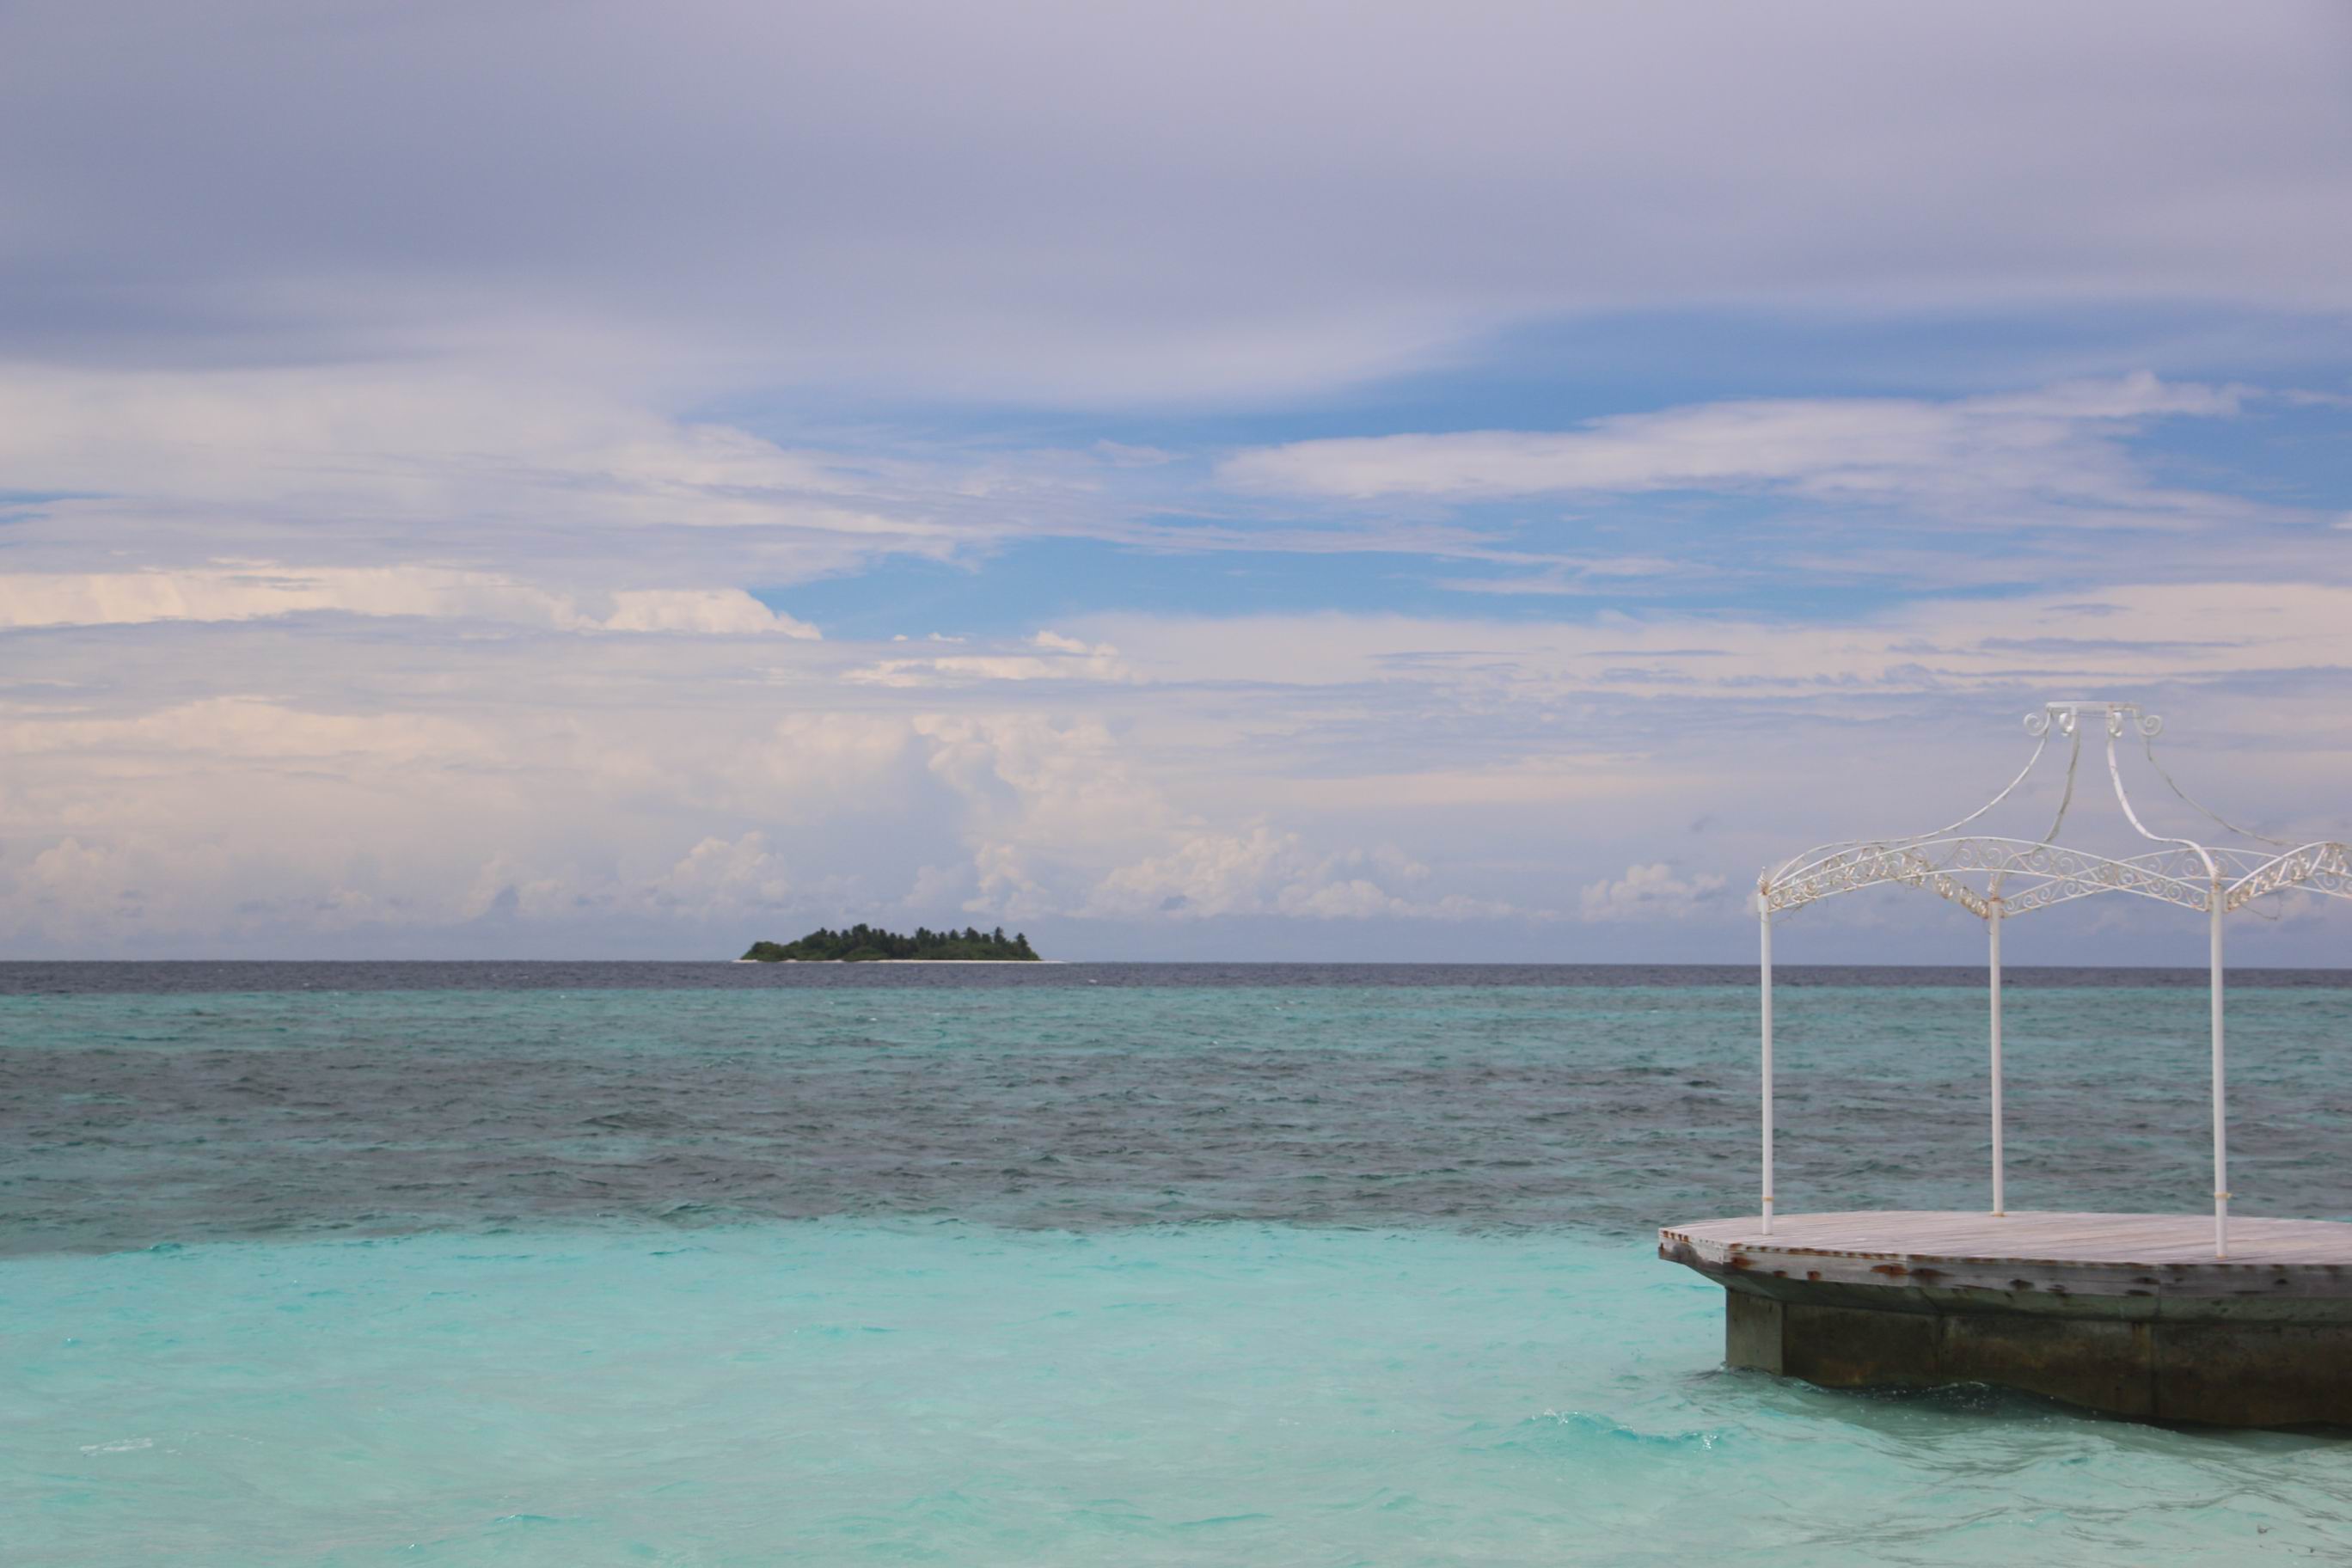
[[1985, 873]]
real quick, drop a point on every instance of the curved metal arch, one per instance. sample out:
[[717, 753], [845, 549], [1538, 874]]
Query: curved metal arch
[[2175, 877], [2057, 874], [2184, 872], [2041, 743], [2324, 867]]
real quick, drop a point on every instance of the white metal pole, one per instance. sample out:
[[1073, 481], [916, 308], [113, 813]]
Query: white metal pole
[[1764, 918], [2220, 1107], [1999, 1205]]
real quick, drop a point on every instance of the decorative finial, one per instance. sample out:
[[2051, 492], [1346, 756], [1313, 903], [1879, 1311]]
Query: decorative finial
[[2065, 717]]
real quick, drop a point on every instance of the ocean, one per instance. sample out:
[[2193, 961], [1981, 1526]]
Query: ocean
[[712, 1264]]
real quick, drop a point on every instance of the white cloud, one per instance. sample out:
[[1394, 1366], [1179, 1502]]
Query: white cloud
[[1318, 769], [2054, 449], [725, 612], [937, 888], [254, 590], [1651, 892], [1055, 658], [239, 727], [1084, 225], [2119, 634], [1063, 819], [721, 876], [804, 767], [423, 444], [353, 736], [1308, 767], [228, 818], [1205, 875], [306, 442]]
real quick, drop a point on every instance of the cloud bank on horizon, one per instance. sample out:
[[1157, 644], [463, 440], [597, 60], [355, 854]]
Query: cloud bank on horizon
[[1281, 480]]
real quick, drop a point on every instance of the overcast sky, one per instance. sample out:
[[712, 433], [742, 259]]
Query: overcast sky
[[1344, 481]]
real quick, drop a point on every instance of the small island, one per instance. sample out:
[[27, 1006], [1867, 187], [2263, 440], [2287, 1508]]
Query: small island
[[863, 943]]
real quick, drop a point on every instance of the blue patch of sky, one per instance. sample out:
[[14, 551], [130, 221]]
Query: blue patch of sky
[[25, 506], [2278, 451], [1547, 375], [1555, 376], [1044, 584]]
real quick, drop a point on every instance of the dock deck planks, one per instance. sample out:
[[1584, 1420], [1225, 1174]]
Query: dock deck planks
[[1931, 1236]]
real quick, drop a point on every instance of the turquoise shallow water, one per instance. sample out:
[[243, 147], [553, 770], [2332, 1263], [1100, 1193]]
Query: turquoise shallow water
[[1231, 1392], [1199, 1274]]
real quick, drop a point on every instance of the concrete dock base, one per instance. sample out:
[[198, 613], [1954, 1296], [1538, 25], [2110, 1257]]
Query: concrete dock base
[[2222, 1374], [2257, 1340]]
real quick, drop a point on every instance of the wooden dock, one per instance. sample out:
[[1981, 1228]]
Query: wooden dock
[[2083, 1253], [2223, 1320], [2122, 1312]]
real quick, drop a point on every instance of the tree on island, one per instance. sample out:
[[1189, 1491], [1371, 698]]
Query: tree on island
[[863, 943]]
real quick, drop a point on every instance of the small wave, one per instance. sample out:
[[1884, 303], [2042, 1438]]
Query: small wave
[[1587, 1423]]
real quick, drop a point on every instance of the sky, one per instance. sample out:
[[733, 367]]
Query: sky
[[1242, 481]]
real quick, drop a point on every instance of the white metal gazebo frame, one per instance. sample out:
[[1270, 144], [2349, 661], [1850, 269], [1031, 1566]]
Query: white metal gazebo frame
[[1977, 872]]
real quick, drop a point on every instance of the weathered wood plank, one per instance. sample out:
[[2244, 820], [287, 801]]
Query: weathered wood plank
[[2035, 1237], [2138, 1265]]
